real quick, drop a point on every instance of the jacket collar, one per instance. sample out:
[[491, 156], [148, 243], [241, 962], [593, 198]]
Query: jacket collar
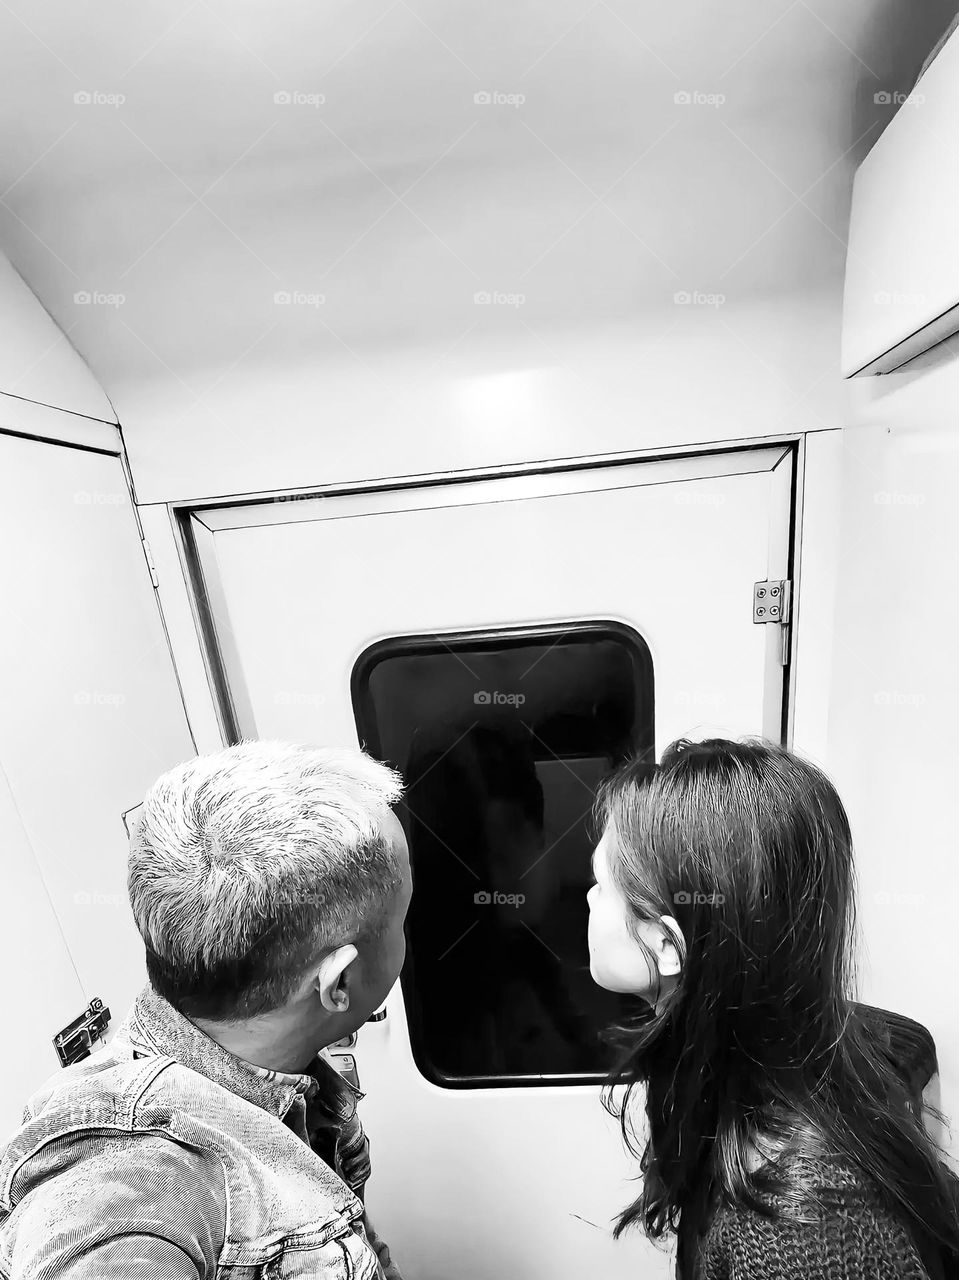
[[155, 1027]]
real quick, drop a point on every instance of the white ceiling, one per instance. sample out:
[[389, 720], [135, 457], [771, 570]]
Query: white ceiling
[[198, 197]]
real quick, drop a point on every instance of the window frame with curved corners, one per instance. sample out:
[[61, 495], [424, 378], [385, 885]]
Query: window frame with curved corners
[[490, 638]]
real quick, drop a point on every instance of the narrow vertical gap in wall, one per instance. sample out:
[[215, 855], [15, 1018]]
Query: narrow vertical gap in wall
[[134, 506], [222, 698], [791, 459]]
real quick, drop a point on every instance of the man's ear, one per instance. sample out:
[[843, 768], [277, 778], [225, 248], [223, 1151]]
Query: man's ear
[[332, 978], [670, 948]]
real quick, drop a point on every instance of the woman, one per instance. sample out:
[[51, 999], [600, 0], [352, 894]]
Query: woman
[[784, 1137]]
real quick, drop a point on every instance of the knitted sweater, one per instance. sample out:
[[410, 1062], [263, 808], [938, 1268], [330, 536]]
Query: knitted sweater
[[854, 1239]]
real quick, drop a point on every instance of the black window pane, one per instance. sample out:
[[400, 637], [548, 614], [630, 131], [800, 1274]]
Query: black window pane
[[503, 739]]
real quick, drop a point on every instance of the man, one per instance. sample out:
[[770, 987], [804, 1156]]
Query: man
[[270, 884]]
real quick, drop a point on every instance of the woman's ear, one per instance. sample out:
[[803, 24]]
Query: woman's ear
[[670, 948], [331, 980]]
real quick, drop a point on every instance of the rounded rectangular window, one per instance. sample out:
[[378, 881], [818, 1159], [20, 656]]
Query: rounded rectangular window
[[502, 738]]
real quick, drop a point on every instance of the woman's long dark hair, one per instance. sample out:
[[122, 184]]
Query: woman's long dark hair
[[749, 849]]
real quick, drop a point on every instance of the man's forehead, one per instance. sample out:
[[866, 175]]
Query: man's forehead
[[391, 827]]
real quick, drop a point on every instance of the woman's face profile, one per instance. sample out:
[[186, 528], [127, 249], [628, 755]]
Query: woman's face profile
[[616, 960]]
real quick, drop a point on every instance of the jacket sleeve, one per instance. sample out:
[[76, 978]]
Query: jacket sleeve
[[381, 1249], [141, 1206]]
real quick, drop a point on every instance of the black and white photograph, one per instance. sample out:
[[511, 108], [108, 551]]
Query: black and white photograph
[[479, 598]]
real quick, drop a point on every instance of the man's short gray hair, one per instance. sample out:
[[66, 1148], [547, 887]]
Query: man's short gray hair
[[246, 865]]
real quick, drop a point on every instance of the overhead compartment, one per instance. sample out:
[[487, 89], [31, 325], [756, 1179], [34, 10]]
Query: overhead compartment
[[902, 268]]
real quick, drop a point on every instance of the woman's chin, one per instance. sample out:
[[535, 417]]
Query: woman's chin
[[614, 982], [599, 977]]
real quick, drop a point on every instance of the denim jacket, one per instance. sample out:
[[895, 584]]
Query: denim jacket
[[165, 1155]]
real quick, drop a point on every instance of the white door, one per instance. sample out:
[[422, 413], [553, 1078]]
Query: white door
[[411, 608], [91, 715], [42, 991]]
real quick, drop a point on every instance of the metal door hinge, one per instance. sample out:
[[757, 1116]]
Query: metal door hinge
[[771, 600], [74, 1042], [150, 565]]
